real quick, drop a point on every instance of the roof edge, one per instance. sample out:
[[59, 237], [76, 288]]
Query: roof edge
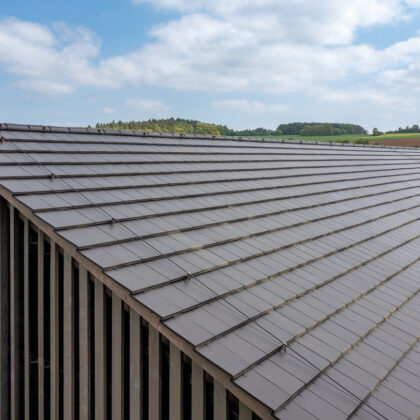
[[129, 133]]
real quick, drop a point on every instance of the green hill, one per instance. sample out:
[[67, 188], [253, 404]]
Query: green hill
[[170, 125], [179, 125]]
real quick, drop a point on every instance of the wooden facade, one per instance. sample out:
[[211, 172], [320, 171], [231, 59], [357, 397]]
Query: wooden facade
[[72, 348]]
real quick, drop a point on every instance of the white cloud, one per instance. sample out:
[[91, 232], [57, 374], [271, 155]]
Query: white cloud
[[203, 53], [288, 46], [109, 111], [325, 22], [50, 60], [49, 87], [265, 46], [247, 106], [363, 96], [147, 105]]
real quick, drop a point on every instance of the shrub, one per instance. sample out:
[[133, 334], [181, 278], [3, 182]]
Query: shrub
[[362, 141]]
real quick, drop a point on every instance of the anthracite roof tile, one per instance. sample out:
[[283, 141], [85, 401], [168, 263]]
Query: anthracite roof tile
[[293, 266]]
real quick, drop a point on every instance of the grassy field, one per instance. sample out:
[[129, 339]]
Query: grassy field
[[347, 138], [398, 136], [403, 139]]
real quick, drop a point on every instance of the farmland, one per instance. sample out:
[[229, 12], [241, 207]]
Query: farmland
[[309, 131], [344, 138], [407, 139]]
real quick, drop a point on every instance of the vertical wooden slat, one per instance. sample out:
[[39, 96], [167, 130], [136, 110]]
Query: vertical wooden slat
[[26, 316], [175, 375], [135, 366], [54, 331], [100, 361], [85, 369], [154, 374], [117, 359], [68, 339], [244, 412], [197, 391], [4, 311], [41, 355], [220, 406], [14, 322]]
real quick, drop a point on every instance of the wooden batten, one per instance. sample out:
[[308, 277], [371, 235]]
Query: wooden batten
[[175, 383], [4, 310], [84, 340], [154, 373], [41, 323], [54, 332], [68, 331], [135, 366], [100, 356], [117, 359]]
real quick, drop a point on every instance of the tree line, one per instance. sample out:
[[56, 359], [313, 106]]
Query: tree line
[[179, 125], [320, 129], [169, 125], [413, 129]]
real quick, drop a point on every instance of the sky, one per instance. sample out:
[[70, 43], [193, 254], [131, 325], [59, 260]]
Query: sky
[[242, 63]]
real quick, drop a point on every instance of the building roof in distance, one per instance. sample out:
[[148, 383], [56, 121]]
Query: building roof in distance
[[292, 266]]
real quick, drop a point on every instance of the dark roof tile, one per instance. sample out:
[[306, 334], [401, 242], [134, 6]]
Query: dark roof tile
[[247, 248]]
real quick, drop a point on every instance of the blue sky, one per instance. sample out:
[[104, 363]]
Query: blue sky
[[241, 63]]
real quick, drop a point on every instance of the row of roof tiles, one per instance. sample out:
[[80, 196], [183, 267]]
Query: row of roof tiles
[[293, 267]]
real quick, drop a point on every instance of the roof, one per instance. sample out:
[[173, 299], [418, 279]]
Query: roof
[[293, 266]]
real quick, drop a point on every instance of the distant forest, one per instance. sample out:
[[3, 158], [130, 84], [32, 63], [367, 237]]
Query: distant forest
[[320, 129], [178, 125], [170, 125], [414, 129]]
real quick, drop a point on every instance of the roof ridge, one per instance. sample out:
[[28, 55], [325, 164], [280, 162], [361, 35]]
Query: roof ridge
[[133, 133]]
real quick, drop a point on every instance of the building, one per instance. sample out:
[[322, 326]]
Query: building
[[145, 275]]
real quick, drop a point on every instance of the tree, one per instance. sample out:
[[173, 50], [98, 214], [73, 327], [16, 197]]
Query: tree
[[179, 125], [317, 130], [338, 128]]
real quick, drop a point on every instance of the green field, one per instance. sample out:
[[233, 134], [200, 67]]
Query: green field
[[396, 136], [347, 138], [398, 139]]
